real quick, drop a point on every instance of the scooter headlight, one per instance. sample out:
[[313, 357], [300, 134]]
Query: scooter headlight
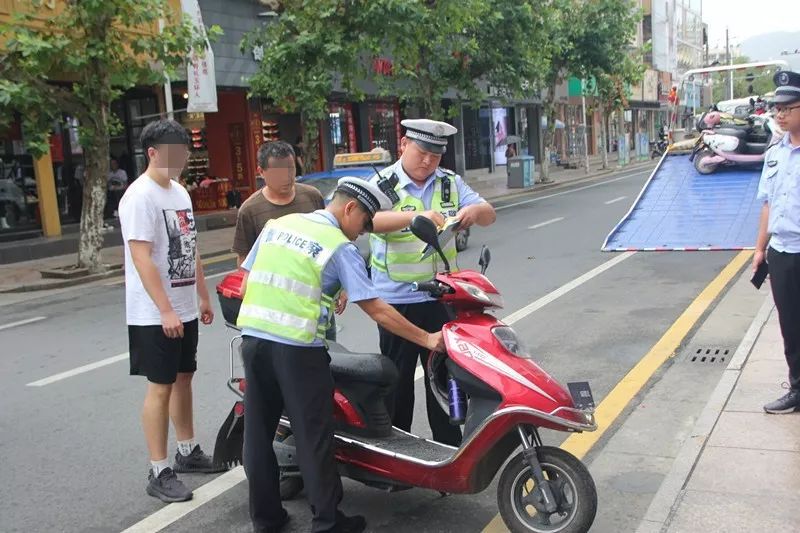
[[494, 300], [508, 338]]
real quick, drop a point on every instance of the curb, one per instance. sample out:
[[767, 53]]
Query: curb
[[114, 271], [665, 502], [538, 187]]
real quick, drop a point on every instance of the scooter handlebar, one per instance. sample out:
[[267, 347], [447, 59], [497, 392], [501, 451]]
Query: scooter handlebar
[[433, 287]]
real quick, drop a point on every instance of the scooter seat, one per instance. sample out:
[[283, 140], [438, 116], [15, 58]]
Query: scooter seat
[[372, 368], [755, 148], [739, 133]]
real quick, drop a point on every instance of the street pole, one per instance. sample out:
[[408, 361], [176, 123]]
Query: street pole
[[585, 139], [167, 83], [730, 62]]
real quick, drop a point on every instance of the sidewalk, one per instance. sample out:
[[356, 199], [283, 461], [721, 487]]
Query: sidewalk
[[24, 276], [738, 469]]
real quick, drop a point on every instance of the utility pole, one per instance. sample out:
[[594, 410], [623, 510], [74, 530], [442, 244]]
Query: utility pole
[[583, 118], [730, 62]]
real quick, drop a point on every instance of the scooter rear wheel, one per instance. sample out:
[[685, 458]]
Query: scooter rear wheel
[[520, 504], [702, 166]]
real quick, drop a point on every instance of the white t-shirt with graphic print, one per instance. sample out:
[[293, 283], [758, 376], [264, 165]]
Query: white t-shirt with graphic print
[[164, 217]]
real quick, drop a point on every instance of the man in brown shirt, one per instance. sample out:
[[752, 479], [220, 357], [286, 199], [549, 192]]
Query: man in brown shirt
[[280, 196]]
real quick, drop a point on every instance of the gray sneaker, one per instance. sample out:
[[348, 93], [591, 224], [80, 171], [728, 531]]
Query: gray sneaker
[[167, 487], [788, 403], [197, 461]]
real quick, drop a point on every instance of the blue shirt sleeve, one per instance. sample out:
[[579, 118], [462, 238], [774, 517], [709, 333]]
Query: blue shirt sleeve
[[467, 196], [352, 273], [251, 256], [768, 173]]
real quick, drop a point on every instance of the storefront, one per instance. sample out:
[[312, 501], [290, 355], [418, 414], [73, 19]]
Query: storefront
[[19, 205]]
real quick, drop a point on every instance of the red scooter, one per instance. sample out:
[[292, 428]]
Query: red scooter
[[487, 381]]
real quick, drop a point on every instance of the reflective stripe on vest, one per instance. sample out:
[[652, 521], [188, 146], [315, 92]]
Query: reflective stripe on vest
[[402, 258], [284, 294]]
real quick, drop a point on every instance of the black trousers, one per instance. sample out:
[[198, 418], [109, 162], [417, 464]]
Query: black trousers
[[430, 316], [784, 276], [298, 379]]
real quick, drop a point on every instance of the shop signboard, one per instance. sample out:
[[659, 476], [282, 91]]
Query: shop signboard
[[237, 142]]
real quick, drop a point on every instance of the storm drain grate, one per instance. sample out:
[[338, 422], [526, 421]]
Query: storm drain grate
[[715, 355]]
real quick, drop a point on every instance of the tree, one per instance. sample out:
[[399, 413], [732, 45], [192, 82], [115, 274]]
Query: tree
[[588, 37], [311, 49], [761, 82], [108, 46], [465, 46]]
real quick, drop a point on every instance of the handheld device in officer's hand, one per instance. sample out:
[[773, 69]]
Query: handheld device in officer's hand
[[760, 275]]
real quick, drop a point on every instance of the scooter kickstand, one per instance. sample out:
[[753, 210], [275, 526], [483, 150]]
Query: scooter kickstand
[[542, 484]]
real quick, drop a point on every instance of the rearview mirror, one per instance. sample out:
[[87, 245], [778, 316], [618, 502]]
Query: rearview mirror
[[425, 230], [485, 259]]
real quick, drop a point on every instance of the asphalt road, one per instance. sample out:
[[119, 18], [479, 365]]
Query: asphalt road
[[74, 458]]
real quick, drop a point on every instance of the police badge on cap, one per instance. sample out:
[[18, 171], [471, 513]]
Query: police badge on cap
[[788, 87], [430, 135]]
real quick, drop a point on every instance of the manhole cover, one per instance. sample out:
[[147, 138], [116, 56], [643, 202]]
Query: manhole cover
[[707, 355]]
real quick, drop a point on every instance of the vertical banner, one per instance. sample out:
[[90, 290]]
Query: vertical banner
[[238, 163], [201, 79]]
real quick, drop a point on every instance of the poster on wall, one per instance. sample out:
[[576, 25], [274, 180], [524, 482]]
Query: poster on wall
[[500, 132]]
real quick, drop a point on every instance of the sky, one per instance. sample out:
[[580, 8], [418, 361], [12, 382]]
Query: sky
[[747, 18]]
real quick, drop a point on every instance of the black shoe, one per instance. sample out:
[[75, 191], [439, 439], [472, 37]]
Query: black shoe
[[274, 529], [349, 524], [167, 487], [196, 461], [788, 403]]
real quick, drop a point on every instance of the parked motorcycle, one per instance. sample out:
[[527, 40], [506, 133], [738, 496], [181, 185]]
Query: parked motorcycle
[[659, 148], [733, 145], [487, 381]]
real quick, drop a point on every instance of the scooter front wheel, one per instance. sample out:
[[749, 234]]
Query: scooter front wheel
[[521, 504], [702, 165]]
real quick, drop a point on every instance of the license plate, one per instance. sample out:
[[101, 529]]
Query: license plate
[[581, 395]]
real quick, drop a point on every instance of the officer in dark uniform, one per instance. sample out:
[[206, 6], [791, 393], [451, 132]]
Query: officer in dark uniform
[[779, 231]]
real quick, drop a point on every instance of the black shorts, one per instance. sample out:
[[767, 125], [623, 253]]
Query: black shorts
[[159, 358]]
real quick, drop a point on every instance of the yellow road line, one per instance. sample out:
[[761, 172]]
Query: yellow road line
[[621, 395], [206, 262]]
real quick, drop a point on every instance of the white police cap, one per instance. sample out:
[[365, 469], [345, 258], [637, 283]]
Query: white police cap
[[368, 194], [431, 135]]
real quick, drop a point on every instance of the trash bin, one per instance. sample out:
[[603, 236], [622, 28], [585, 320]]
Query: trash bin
[[520, 172]]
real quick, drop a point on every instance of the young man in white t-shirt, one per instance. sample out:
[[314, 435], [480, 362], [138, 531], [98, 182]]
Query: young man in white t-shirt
[[163, 282]]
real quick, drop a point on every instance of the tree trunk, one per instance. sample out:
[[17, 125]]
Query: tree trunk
[[95, 185], [549, 132], [623, 149], [604, 135]]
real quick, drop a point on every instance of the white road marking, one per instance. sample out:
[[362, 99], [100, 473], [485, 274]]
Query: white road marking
[[80, 370], [419, 373], [23, 322], [564, 289], [546, 223], [202, 495], [615, 200], [219, 275], [577, 189]]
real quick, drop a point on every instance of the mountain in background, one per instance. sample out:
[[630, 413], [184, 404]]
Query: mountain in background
[[770, 45]]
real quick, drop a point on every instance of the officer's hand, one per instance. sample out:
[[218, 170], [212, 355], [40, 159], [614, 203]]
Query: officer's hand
[[435, 216], [172, 325], [758, 258], [341, 302], [467, 216], [436, 342]]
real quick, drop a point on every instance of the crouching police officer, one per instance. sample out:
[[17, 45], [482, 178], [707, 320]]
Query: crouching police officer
[[420, 187], [779, 232], [294, 271]]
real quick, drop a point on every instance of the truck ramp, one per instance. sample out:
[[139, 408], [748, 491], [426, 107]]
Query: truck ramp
[[680, 209]]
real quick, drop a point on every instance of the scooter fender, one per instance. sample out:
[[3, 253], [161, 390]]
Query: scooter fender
[[721, 144], [523, 385]]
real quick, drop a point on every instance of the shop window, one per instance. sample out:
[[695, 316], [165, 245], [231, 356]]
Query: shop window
[[384, 125]]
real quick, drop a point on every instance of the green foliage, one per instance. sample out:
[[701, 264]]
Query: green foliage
[[762, 82]]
